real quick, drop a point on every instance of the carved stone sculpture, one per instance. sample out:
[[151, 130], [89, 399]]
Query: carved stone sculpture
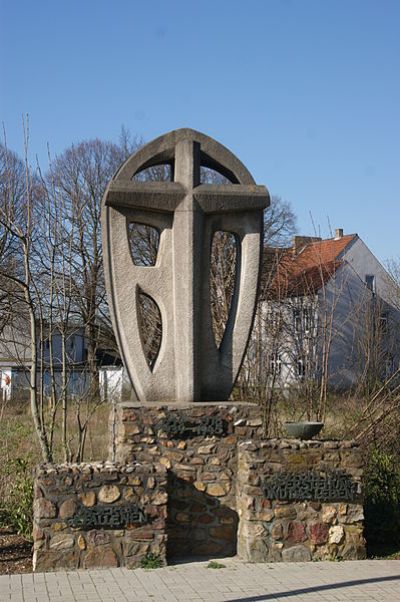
[[189, 366]]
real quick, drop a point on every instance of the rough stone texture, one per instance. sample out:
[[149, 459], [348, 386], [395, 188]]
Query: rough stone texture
[[189, 367], [61, 490], [109, 494], [202, 493], [295, 531], [202, 516]]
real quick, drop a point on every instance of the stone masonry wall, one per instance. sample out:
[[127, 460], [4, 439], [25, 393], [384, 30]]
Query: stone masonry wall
[[202, 518], [298, 530], [99, 515]]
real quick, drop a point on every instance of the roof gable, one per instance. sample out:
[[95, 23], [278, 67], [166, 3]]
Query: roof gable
[[306, 272]]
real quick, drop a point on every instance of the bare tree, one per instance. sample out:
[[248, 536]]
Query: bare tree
[[280, 223], [18, 225], [261, 372], [79, 177]]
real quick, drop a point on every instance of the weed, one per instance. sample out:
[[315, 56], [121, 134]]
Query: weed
[[151, 561], [213, 564]]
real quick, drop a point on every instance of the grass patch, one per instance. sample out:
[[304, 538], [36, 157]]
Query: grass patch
[[151, 561], [16, 504], [213, 564], [20, 453]]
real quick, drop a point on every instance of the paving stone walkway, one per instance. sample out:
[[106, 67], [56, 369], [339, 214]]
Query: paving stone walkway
[[369, 580]]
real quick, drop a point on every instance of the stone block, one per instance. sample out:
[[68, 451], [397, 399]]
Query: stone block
[[318, 533], [285, 512], [296, 554], [88, 498], [277, 531], [160, 498], [100, 557], [62, 542], [67, 508], [43, 508], [328, 514], [336, 534], [296, 532], [109, 494]]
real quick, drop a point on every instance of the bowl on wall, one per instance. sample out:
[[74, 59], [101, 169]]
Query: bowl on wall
[[303, 430]]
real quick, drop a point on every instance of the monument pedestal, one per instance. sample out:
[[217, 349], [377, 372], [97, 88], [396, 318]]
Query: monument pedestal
[[231, 491], [200, 480], [99, 515], [197, 444], [299, 500]]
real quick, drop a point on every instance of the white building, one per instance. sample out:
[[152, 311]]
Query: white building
[[331, 310]]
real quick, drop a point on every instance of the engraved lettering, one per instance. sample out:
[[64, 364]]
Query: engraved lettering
[[116, 517], [329, 486], [179, 428]]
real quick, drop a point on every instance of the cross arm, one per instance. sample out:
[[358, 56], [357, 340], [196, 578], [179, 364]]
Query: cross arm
[[153, 196], [224, 198]]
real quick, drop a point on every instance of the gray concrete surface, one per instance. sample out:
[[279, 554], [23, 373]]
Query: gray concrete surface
[[368, 580]]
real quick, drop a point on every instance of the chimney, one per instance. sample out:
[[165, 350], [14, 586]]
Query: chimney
[[338, 233], [299, 242]]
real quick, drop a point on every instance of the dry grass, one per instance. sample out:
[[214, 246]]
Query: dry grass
[[342, 412], [19, 439], [20, 449]]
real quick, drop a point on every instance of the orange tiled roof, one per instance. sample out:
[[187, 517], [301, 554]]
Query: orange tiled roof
[[307, 271], [323, 251]]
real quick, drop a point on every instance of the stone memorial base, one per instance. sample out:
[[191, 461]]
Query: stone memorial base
[[197, 444], [99, 515], [199, 480], [218, 465], [299, 500]]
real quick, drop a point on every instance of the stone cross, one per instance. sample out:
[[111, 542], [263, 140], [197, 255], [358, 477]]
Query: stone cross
[[189, 366]]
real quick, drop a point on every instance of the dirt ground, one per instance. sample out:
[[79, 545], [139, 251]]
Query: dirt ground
[[15, 553]]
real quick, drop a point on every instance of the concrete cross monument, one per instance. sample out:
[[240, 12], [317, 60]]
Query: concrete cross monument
[[189, 366], [182, 472]]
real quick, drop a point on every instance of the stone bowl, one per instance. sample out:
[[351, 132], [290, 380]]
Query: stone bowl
[[303, 430]]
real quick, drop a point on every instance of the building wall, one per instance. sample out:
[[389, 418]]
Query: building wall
[[77, 382], [354, 308], [342, 312]]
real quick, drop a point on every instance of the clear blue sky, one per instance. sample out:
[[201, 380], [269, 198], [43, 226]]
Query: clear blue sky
[[306, 93]]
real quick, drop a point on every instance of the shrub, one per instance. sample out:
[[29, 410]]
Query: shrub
[[382, 500], [151, 561], [16, 505]]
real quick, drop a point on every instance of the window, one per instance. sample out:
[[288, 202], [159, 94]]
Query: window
[[390, 366], [297, 320], [302, 319], [274, 318], [306, 319], [383, 322], [370, 282], [301, 368], [275, 364]]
